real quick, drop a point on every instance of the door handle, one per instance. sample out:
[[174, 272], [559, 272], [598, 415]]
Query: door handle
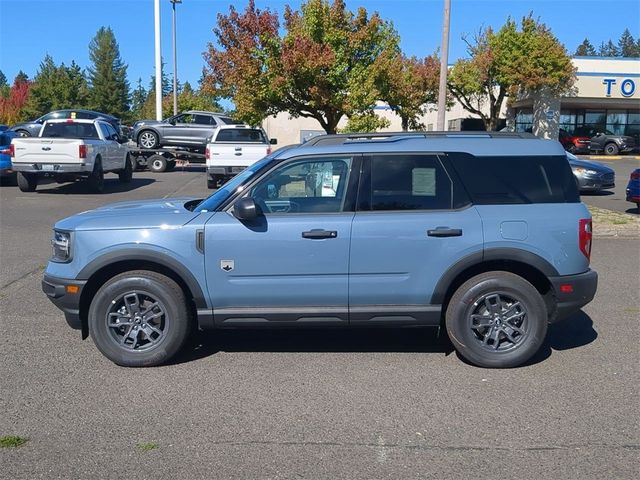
[[445, 232], [317, 233]]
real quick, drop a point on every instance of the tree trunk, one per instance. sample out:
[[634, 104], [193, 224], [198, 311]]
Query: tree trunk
[[405, 124]]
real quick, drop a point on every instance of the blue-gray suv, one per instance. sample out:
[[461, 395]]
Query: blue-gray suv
[[460, 231]]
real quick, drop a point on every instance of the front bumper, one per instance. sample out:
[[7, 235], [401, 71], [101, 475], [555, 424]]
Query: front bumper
[[58, 291], [583, 289]]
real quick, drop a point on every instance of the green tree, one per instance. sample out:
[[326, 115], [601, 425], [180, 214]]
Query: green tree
[[585, 49], [4, 86], [324, 66], [109, 88], [138, 97], [608, 49], [364, 123], [510, 63], [21, 77], [55, 87], [627, 46]]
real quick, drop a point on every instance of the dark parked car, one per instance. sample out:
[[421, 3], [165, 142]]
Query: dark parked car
[[574, 143], [188, 129], [603, 140], [591, 176], [32, 129], [633, 188], [6, 169]]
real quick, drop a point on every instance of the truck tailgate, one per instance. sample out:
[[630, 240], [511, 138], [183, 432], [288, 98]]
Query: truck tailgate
[[236, 154], [48, 150]]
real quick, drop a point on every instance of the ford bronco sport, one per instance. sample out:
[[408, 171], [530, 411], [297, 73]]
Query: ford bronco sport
[[460, 231]]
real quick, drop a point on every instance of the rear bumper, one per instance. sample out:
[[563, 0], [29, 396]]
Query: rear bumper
[[582, 290], [224, 170], [53, 169], [56, 289]]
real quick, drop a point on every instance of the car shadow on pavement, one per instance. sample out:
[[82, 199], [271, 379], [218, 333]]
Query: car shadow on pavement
[[363, 340], [633, 210], [598, 193], [111, 185]]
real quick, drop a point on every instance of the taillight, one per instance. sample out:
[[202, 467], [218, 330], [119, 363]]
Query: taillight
[[5, 151], [82, 151], [207, 154], [585, 235], [12, 150], [268, 150], [634, 175]]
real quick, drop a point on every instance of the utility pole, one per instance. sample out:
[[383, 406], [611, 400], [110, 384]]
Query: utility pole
[[156, 7], [175, 59], [444, 65]]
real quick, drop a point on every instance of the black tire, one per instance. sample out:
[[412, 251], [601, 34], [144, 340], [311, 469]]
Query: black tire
[[171, 164], [149, 318], [23, 133], [572, 149], [95, 181], [148, 139], [27, 182], [125, 175], [495, 306], [157, 163], [214, 180], [611, 149]]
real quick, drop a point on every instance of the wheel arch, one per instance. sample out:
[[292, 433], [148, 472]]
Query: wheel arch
[[102, 269], [533, 268]]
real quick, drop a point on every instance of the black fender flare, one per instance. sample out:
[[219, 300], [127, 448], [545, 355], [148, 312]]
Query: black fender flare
[[492, 254], [152, 256]]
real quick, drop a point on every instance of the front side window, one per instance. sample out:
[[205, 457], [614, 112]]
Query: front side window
[[203, 119], [184, 118], [409, 182], [316, 185]]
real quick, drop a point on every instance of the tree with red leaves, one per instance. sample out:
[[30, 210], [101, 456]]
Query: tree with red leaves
[[11, 106], [329, 63]]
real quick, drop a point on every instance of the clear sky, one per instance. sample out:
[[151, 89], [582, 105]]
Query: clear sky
[[29, 29]]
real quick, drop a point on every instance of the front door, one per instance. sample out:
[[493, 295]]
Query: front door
[[289, 266]]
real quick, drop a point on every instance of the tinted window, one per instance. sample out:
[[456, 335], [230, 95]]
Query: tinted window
[[184, 118], [515, 180], [316, 185], [241, 135], [203, 119], [70, 130], [409, 182]]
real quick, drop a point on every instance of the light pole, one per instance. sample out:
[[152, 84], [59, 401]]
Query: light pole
[[175, 59], [444, 65], [158, 56]]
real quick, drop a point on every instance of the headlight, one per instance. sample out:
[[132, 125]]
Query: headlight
[[584, 171], [61, 246]]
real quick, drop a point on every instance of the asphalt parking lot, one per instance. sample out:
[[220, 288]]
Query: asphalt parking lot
[[307, 404]]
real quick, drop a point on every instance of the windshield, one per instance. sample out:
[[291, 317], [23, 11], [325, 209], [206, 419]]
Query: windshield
[[212, 202]]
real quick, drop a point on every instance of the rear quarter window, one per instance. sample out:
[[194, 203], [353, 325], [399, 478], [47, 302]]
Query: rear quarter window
[[241, 135], [516, 179]]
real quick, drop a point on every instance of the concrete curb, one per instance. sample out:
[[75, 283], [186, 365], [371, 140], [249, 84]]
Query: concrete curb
[[608, 157]]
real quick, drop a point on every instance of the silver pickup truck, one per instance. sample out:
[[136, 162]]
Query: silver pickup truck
[[232, 148], [68, 150]]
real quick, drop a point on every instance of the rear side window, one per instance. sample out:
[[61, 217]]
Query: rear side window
[[408, 182], [204, 119], [70, 130], [241, 135], [516, 180]]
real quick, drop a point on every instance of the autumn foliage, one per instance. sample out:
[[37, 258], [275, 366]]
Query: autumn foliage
[[11, 106]]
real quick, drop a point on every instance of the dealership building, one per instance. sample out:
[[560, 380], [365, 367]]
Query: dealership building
[[606, 95]]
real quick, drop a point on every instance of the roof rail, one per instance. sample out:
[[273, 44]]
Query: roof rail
[[341, 138]]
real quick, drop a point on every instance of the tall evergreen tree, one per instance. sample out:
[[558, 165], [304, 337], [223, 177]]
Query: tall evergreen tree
[[109, 88], [21, 77], [138, 97], [627, 45], [167, 83], [55, 87], [585, 49], [608, 49], [4, 86]]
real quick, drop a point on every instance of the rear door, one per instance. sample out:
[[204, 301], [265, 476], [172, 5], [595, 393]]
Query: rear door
[[412, 223], [290, 265]]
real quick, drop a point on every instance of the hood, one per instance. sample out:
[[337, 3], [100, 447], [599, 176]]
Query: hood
[[141, 123], [161, 213], [597, 166]]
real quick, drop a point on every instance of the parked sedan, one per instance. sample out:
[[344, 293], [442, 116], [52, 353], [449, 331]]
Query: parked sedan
[[633, 188], [591, 176], [6, 170]]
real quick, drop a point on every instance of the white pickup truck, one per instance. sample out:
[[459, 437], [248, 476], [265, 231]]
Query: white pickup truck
[[232, 148], [68, 150]]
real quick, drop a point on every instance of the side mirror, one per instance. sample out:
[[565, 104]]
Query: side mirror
[[246, 209], [273, 141]]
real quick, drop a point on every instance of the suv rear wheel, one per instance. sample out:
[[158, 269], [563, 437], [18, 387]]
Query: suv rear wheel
[[139, 319], [126, 174], [497, 320]]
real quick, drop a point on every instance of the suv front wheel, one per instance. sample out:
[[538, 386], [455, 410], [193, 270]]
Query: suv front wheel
[[139, 319], [497, 320]]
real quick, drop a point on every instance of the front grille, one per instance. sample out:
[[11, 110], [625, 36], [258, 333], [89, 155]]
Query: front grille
[[608, 177]]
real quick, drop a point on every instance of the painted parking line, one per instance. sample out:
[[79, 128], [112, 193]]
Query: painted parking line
[[611, 157]]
